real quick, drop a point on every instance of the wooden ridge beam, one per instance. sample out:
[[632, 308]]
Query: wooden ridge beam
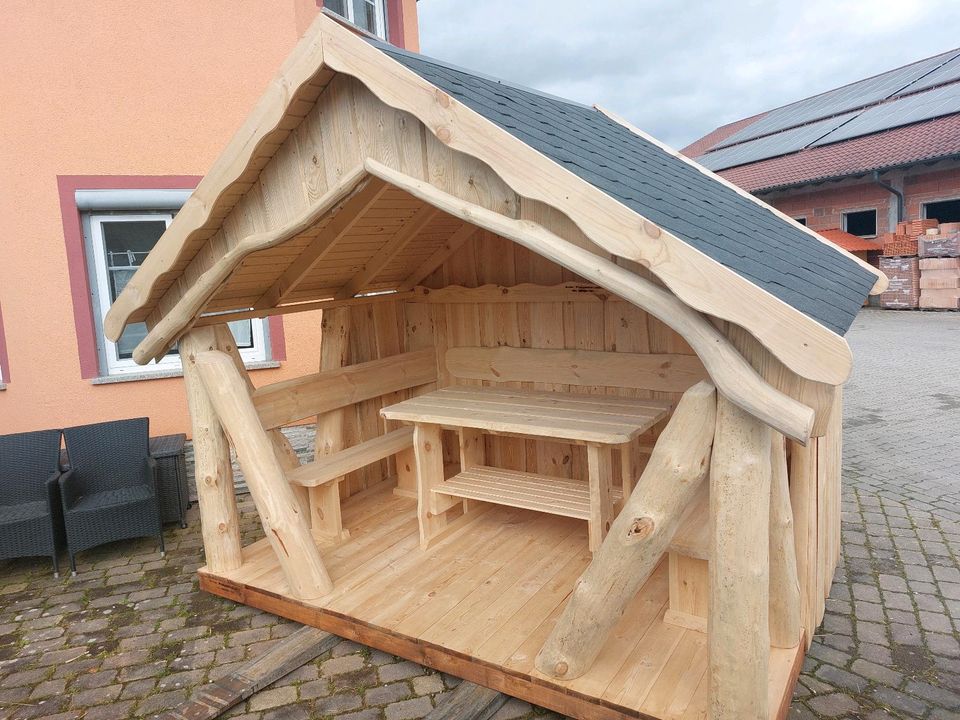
[[732, 374], [306, 261], [407, 232], [162, 335]]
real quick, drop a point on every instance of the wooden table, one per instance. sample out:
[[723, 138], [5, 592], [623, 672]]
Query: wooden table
[[600, 422]]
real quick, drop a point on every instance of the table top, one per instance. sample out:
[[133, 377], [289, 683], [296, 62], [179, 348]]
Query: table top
[[604, 419]]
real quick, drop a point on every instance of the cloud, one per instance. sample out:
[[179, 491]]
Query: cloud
[[680, 69]]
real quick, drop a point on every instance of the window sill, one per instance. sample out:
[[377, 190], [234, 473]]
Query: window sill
[[164, 374]]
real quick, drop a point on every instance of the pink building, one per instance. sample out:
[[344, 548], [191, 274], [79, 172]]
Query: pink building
[[111, 114]]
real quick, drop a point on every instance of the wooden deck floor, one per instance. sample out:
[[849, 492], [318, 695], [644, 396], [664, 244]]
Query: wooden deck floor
[[481, 603]]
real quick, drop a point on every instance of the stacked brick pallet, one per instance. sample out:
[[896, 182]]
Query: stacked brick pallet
[[901, 265], [939, 251]]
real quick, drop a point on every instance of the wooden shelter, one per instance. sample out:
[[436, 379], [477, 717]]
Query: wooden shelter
[[577, 400]]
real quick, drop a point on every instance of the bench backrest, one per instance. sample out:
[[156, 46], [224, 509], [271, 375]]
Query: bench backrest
[[663, 372], [292, 400]]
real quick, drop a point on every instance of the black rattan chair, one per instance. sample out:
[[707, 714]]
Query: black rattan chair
[[31, 521], [110, 491]]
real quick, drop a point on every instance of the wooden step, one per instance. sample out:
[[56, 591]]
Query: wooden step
[[557, 496]]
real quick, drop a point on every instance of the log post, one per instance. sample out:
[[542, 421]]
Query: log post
[[219, 521], [279, 510], [738, 632], [325, 499], [637, 539], [281, 445], [784, 583]]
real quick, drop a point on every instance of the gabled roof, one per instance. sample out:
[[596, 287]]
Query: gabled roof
[[718, 249], [922, 142], [796, 143], [746, 236], [850, 242]]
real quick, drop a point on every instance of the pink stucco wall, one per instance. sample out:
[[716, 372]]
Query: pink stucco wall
[[113, 88]]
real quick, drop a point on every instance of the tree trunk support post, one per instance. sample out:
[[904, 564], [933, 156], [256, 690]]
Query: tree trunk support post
[[219, 519], [279, 509], [638, 537], [738, 632]]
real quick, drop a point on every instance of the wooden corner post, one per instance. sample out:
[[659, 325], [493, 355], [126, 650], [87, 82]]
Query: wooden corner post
[[219, 522], [280, 511], [738, 633]]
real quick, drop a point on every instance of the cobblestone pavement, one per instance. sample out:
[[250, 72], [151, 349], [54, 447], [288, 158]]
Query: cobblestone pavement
[[132, 635]]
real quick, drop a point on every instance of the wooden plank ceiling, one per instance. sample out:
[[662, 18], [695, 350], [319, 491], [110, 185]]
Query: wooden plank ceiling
[[381, 239]]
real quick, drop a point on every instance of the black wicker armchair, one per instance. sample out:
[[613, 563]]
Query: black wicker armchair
[[31, 522], [110, 491]]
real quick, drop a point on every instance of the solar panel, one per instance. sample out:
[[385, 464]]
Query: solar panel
[[948, 72], [780, 143], [855, 95], [896, 113]]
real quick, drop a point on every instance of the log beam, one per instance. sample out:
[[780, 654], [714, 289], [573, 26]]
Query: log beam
[[733, 375], [278, 507], [186, 309], [219, 519], [637, 539], [738, 633], [784, 584]]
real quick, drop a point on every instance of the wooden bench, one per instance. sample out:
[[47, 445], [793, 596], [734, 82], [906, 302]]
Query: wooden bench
[[600, 422], [331, 391]]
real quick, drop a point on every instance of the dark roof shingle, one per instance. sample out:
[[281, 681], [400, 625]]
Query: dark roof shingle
[[745, 236]]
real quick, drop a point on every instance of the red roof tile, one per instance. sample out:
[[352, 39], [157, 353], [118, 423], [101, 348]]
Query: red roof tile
[[699, 147], [922, 141], [850, 243]]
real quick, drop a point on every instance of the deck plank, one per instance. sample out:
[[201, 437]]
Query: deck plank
[[480, 603]]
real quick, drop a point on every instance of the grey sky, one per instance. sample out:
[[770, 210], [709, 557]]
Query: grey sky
[[679, 69]]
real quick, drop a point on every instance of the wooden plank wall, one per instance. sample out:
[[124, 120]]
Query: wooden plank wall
[[608, 324]]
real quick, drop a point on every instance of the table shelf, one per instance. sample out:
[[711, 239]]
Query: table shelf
[[530, 491]]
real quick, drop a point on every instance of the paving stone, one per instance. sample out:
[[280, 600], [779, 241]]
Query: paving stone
[[833, 705], [384, 694], [408, 709], [336, 704], [340, 665], [513, 709], [266, 699], [400, 671], [427, 684]]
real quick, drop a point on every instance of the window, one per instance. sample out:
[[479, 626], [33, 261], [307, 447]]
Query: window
[[861, 222], [118, 244], [943, 210], [366, 14], [801, 220]]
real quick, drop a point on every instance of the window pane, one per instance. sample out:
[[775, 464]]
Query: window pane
[[126, 243], [242, 332], [337, 6], [365, 15]]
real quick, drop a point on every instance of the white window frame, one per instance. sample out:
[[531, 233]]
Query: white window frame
[[115, 365], [381, 16], [854, 211]]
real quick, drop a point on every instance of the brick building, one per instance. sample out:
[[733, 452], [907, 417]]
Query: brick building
[[858, 158]]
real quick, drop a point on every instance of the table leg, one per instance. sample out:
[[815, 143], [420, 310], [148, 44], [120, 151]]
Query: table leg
[[472, 453], [629, 467], [600, 471], [428, 449]]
